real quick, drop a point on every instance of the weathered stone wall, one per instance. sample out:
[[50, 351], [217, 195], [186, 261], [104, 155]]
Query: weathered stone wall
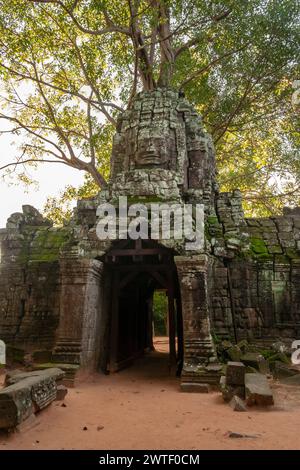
[[29, 280], [256, 282], [54, 290]]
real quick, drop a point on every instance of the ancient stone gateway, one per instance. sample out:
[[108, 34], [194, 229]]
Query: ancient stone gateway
[[161, 154], [89, 300]]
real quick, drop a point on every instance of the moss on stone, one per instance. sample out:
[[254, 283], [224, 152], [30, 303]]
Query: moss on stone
[[207, 234], [43, 245], [265, 257], [258, 246], [212, 220], [257, 250], [292, 253], [43, 258]]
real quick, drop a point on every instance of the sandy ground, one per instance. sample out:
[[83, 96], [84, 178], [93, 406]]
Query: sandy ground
[[143, 408]]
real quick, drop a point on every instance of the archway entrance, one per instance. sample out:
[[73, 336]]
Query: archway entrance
[[138, 270]]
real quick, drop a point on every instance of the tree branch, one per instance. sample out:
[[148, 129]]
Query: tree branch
[[166, 49], [145, 66], [193, 41], [31, 160], [63, 90], [250, 85], [90, 126], [210, 65], [35, 134], [92, 86], [112, 28]]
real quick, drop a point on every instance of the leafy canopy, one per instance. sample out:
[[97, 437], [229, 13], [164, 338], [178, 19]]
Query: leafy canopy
[[68, 67]]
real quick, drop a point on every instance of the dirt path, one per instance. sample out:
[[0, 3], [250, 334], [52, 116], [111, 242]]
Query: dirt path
[[142, 408]]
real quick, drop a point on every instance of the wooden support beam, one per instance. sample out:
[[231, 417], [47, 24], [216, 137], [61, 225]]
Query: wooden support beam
[[172, 325], [180, 346], [136, 252], [144, 267], [114, 334]]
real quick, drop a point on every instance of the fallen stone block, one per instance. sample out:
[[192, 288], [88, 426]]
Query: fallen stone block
[[293, 380], [257, 390], [235, 373], [252, 359], [15, 405], [194, 387], [61, 392], [228, 391], [70, 371], [26, 396], [237, 404], [251, 370], [234, 353], [243, 345], [20, 400], [281, 370], [31, 422], [279, 357], [264, 367], [17, 375]]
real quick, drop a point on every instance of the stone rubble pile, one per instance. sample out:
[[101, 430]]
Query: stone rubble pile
[[243, 389]]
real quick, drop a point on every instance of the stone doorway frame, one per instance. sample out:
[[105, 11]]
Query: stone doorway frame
[[163, 273]]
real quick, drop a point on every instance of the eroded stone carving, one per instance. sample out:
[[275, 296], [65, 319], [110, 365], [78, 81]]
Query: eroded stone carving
[[29, 393], [163, 137]]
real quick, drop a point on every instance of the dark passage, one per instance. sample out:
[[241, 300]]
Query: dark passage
[[138, 269]]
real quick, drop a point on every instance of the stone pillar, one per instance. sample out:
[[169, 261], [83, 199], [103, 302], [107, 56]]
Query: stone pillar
[[199, 351], [74, 274], [91, 324]]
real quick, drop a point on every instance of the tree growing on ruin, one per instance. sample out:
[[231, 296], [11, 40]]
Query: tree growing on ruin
[[68, 67]]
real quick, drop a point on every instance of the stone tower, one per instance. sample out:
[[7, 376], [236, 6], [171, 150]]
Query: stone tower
[[88, 301]]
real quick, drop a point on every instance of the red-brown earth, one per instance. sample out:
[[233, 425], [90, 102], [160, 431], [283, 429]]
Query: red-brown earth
[[142, 408]]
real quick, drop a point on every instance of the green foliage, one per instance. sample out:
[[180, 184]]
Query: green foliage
[[160, 312], [59, 209], [68, 67]]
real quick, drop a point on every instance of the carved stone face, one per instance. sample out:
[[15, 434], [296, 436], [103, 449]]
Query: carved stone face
[[161, 130], [155, 146], [149, 151]]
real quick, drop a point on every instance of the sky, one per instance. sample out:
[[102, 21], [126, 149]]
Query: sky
[[52, 178]]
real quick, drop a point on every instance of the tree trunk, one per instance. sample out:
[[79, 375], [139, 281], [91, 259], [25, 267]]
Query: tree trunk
[[167, 56]]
